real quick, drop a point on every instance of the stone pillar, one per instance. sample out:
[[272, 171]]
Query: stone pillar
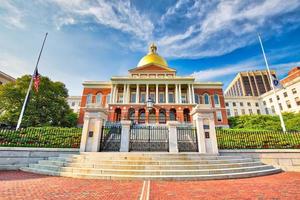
[[193, 94], [173, 144], [147, 92], [92, 129], [137, 98], [179, 93], [213, 135], [124, 93], [111, 100], [125, 135], [176, 93], [167, 93], [156, 94], [190, 94], [200, 133]]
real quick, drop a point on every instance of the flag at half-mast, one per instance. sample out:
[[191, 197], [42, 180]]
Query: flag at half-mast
[[36, 80]]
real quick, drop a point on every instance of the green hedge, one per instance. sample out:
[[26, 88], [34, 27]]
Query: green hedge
[[51, 137], [248, 139]]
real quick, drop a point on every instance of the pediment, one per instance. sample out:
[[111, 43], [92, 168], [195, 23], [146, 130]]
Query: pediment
[[152, 68]]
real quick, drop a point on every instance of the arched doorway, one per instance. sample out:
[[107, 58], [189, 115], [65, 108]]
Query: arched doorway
[[142, 116], [118, 114], [186, 115], [131, 114], [173, 116], [152, 116], [162, 116]]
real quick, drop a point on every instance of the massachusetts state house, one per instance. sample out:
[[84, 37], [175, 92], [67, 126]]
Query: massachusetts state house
[[152, 83]]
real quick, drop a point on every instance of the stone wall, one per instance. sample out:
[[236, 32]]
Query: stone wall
[[12, 158], [286, 159]]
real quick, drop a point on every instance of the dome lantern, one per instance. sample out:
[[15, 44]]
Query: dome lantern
[[153, 58]]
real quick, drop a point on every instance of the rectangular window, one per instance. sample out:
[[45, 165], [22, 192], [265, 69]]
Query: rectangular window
[[270, 100], [285, 94], [161, 98], [264, 102], [280, 106], [241, 104], [273, 109], [233, 104], [248, 103], [152, 96], [219, 116], [171, 97], [197, 99], [278, 98], [143, 97], [297, 100], [294, 91], [288, 104], [243, 112], [226, 104], [250, 111], [267, 111], [120, 97], [132, 97], [183, 98], [256, 104], [236, 112], [258, 111], [228, 112]]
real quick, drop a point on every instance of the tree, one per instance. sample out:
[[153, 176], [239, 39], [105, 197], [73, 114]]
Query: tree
[[47, 107]]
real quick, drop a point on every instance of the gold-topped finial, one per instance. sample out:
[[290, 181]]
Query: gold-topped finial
[[152, 48]]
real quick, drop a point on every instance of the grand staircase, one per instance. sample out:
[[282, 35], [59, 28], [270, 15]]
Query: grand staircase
[[151, 166]]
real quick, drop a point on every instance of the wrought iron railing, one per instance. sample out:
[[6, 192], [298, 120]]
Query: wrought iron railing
[[239, 139], [187, 139], [110, 137]]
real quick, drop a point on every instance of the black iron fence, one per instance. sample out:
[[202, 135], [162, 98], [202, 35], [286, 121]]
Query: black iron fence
[[50, 137], [111, 137], [238, 139], [187, 139], [149, 138]]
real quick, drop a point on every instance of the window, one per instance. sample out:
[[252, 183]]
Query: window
[[258, 111], [270, 100], [172, 114], [280, 106], [243, 112], [120, 98], [256, 104], [143, 97], [118, 114], [152, 96], [248, 104], [228, 112], [267, 111], [216, 99], [131, 114], [197, 100], [285, 94], [108, 99], [132, 97], [161, 98], [183, 98], [227, 104], [206, 99], [288, 104], [98, 98], [89, 99], [186, 115], [171, 97], [278, 98], [273, 109], [219, 116], [162, 116], [142, 116], [297, 100], [73, 103], [264, 102], [236, 112], [233, 104], [250, 111], [241, 104], [294, 91]]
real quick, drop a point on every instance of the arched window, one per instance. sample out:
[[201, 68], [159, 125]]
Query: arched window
[[89, 99], [118, 114], [162, 116], [197, 99], [152, 116], [186, 115], [131, 114], [206, 99], [172, 114], [216, 99], [142, 116], [99, 98]]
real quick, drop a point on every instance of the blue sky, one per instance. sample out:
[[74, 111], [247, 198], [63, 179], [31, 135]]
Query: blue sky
[[94, 39]]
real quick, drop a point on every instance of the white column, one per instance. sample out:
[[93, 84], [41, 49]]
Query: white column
[[179, 93], [111, 100], [173, 144], [156, 94], [189, 93], [147, 92], [84, 135], [97, 135], [125, 133], [200, 133], [167, 94], [193, 94], [127, 94], [124, 93], [137, 100], [176, 93]]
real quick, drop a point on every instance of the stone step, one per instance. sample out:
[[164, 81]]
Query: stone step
[[164, 162], [173, 177], [45, 167], [52, 162], [156, 167], [40, 171], [164, 172]]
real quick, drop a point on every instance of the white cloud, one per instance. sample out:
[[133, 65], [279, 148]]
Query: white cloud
[[10, 16]]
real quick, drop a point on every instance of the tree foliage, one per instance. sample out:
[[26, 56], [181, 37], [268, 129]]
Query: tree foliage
[[47, 107], [265, 122]]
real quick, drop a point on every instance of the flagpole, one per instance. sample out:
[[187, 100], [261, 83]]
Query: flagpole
[[273, 87], [30, 85]]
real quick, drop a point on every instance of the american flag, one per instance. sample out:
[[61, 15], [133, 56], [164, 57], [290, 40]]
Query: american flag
[[36, 79]]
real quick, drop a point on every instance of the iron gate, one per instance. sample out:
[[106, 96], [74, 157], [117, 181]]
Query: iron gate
[[187, 139], [110, 138], [149, 138]]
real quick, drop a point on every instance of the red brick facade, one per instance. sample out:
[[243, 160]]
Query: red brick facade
[[293, 73]]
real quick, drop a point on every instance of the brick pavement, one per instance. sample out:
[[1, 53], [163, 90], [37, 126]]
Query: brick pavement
[[15, 185]]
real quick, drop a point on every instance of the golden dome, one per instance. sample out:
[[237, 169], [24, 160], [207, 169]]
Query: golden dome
[[153, 57]]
